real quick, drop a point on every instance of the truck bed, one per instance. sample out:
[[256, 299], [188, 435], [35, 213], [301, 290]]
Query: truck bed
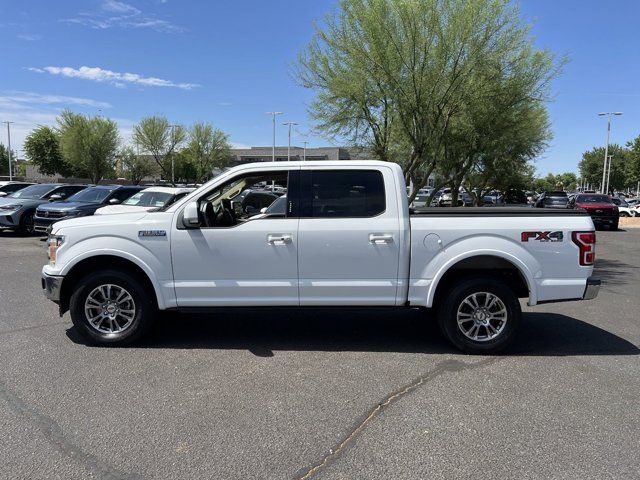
[[496, 212]]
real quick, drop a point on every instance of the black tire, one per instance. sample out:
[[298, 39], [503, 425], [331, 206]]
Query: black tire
[[624, 214], [455, 299], [614, 225], [144, 309], [26, 224]]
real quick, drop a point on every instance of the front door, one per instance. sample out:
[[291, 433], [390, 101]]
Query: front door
[[251, 259]]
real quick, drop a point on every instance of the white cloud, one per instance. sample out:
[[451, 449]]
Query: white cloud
[[119, 79], [29, 38], [113, 13], [29, 98]]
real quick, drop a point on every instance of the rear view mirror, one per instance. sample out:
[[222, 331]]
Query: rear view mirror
[[190, 217]]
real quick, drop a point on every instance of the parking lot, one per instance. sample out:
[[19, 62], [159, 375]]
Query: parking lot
[[322, 393]]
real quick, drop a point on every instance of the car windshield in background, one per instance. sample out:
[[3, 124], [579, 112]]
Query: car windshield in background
[[278, 206], [593, 199], [148, 199], [32, 192], [91, 195]]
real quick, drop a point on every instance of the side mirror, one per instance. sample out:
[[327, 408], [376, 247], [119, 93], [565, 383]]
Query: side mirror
[[56, 197], [190, 217], [263, 210], [114, 201], [3, 194]]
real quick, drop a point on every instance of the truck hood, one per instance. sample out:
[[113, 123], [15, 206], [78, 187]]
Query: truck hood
[[111, 209], [94, 220]]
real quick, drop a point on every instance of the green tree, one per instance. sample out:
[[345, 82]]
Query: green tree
[[42, 148], [592, 164], [134, 167], [160, 139], [632, 172], [208, 148], [88, 144], [398, 75]]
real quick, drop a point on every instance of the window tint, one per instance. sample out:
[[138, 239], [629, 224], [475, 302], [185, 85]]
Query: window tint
[[344, 193]]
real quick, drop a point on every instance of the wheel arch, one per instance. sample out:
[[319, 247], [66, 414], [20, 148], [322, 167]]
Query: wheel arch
[[493, 263], [103, 262]]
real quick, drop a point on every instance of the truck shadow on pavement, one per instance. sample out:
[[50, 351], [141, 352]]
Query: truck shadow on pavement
[[263, 331], [615, 272]]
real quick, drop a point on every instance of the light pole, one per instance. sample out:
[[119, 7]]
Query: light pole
[[608, 174], [304, 151], [290, 124], [273, 147], [606, 148], [173, 166], [9, 145]]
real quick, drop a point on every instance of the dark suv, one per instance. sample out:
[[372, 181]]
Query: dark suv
[[81, 204], [552, 200]]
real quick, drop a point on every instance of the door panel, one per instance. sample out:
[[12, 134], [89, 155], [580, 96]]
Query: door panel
[[254, 263], [348, 261]]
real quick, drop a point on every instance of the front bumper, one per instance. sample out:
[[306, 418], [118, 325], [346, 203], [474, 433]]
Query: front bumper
[[51, 285], [592, 288], [11, 220], [42, 225]]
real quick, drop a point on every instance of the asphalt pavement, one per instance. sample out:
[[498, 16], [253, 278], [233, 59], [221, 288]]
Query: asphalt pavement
[[321, 393]]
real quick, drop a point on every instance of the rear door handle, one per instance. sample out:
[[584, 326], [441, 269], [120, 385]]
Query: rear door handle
[[279, 239], [380, 238]]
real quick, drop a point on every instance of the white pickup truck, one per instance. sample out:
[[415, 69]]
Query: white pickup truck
[[346, 238]]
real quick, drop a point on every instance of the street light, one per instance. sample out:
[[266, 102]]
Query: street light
[[290, 124], [9, 145], [606, 148], [173, 167], [304, 151], [609, 173], [273, 147]]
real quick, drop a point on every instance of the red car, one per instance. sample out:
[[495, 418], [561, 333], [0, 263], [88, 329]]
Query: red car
[[602, 210]]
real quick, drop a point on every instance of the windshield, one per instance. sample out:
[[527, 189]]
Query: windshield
[[32, 192], [148, 199], [277, 206], [593, 199], [91, 195]]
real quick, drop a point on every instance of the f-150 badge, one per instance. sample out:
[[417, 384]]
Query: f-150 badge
[[152, 233], [556, 236]]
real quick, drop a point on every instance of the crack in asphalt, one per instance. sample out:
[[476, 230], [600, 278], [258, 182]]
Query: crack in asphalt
[[447, 366], [54, 434]]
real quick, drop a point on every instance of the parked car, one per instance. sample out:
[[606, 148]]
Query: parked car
[[146, 200], [7, 188], [81, 204], [252, 201], [552, 200], [17, 209], [514, 196], [420, 201], [600, 207], [346, 239]]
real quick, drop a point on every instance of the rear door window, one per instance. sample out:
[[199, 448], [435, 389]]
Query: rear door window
[[342, 193]]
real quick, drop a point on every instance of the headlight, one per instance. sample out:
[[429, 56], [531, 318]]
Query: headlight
[[53, 243], [15, 206]]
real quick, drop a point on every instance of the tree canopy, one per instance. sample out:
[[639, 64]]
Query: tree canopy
[[42, 148]]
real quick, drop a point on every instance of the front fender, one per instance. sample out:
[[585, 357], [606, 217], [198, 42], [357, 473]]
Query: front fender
[[147, 259], [486, 245]]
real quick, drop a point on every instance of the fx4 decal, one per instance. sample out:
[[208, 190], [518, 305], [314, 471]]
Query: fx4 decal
[[556, 236]]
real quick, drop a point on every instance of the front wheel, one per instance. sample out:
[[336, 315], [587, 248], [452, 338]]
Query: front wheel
[[111, 308], [26, 226], [480, 315]]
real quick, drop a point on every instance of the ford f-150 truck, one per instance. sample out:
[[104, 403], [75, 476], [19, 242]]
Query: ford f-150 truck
[[346, 238]]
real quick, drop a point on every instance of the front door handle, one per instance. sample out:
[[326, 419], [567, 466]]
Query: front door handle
[[380, 238], [279, 238]]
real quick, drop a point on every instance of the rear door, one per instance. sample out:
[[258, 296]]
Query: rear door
[[348, 236]]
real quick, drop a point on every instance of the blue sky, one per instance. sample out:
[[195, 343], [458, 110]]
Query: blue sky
[[230, 62]]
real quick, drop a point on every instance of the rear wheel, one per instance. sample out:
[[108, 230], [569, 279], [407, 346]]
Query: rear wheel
[[26, 224], [624, 214], [480, 315], [111, 308]]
